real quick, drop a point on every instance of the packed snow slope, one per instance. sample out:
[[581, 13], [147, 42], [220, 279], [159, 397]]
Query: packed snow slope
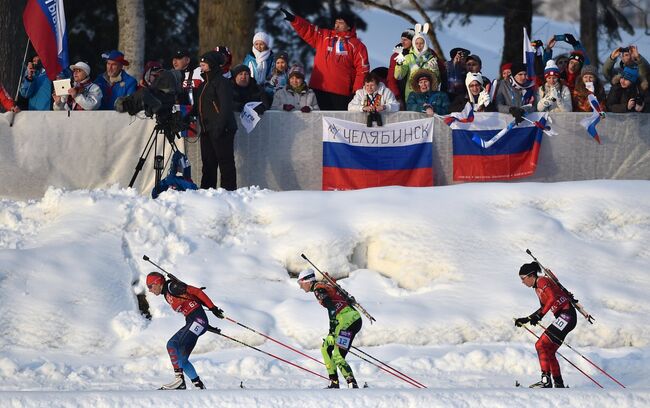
[[437, 267]]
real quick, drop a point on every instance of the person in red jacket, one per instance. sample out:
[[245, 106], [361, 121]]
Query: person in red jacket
[[552, 298], [189, 301], [340, 63], [7, 102], [398, 87]]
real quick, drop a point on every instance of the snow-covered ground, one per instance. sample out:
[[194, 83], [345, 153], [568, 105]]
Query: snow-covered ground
[[437, 267]]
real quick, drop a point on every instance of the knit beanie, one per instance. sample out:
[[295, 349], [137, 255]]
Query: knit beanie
[[551, 69], [261, 36], [589, 69], [408, 33], [237, 69], [631, 74], [517, 67]]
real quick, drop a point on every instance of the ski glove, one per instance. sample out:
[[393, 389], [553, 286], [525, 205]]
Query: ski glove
[[305, 109], [217, 312], [570, 39], [287, 15], [399, 58], [521, 321], [329, 340], [534, 318], [288, 107]]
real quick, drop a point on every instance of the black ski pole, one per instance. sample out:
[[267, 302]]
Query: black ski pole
[[146, 258], [392, 368], [218, 331], [382, 368], [274, 340], [566, 359], [350, 298], [581, 355], [554, 278]]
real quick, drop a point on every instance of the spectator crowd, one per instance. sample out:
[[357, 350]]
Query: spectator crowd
[[415, 79]]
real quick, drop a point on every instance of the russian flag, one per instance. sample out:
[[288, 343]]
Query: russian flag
[[44, 22], [593, 120], [355, 156], [514, 155], [529, 58]]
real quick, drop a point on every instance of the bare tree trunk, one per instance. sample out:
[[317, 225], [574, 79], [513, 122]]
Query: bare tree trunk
[[519, 14], [227, 22], [589, 28], [13, 40], [131, 42], [433, 38]]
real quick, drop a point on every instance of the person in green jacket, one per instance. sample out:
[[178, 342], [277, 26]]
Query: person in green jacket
[[420, 57]]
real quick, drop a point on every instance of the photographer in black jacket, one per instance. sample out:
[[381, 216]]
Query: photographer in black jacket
[[213, 105]]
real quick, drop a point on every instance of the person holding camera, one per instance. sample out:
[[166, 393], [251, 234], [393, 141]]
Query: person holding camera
[[296, 94], [456, 70], [553, 95], [373, 99], [420, 57], [568, 38], [626, 97], [36, 86], [83, 94], [629, 57], [214, 108]]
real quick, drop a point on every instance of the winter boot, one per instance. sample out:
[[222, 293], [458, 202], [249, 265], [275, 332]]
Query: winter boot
[[198, 383], [352, 383], [334, 381], [545, 382], [558, 382], [178, 383]]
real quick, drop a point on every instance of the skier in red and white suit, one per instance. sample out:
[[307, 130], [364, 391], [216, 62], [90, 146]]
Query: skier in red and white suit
[[553, 298]]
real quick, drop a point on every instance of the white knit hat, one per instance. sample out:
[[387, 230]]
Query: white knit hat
[[308, 275], [262, 36]]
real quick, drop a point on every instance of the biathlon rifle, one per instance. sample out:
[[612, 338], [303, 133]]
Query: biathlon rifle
[[572, 300], [342, 291]]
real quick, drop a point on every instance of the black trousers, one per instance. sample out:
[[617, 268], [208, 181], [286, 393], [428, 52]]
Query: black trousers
[[331, 101], [218, 154]]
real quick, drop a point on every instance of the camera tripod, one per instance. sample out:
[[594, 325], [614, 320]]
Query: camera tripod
[[159, 159]]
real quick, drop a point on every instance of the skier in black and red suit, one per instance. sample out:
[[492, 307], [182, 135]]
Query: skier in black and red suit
[[552, 298], [188, 300]]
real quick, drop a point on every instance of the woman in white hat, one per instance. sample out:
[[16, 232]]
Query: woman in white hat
[[260, 60], [83, 94]]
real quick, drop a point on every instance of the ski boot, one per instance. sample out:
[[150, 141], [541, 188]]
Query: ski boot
[[178, 383], [198, 383], [545, 382], [558, 382], [352, 383], [334, 381]]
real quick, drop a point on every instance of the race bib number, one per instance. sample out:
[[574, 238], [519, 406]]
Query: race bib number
[[560, 322], [343, 340], [197, 328]]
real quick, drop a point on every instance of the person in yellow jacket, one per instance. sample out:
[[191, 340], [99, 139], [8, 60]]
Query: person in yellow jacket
[[345, 323]]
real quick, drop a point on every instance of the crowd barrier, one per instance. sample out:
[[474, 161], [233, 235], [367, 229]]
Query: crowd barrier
[[86, 150]]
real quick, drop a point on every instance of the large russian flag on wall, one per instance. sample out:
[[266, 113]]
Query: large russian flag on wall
[[356, 156], [44, 22], [513, 155]]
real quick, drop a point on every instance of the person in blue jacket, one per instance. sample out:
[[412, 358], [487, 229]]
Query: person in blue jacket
[[36, 86], [260, 60], [115, 82]]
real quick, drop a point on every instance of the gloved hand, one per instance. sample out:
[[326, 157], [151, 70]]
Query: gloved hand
[[517, 113], [288, 15], [399, 58], [217, 312], [484, 98], [329, 340], [288, 107], [521, 321], [305, 109], [534, 318], [260, 109], [570, 39]]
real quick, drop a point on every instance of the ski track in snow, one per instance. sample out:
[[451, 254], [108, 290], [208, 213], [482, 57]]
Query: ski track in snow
[[436, 267]]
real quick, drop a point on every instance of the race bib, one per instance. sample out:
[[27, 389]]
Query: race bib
[[197, 328], [560, 322], [343, 340]]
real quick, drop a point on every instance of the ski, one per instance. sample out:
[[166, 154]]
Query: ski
[[572, 300]]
